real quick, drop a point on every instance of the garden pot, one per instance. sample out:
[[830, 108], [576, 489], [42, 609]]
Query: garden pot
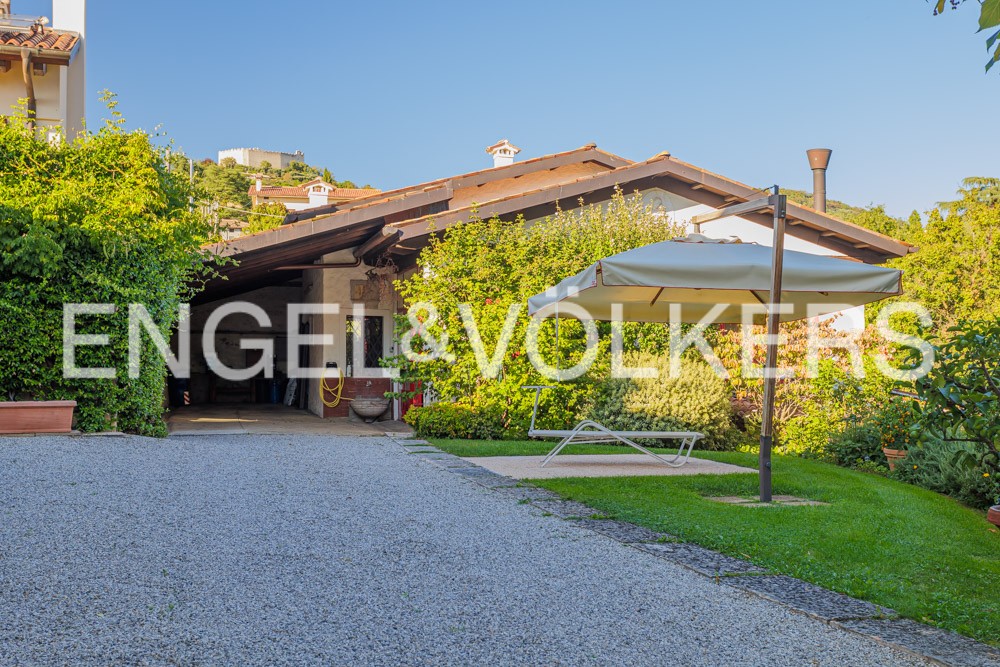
[[894, 456], [993, 516], [36, 416], [369, 408]]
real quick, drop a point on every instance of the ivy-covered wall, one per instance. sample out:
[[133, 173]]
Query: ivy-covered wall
[[95, 220]]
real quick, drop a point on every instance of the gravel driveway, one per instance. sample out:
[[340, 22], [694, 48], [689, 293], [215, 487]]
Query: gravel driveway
[[316, 550]]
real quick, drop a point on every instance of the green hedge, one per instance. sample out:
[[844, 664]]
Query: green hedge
[[95, 220], [452, 420]]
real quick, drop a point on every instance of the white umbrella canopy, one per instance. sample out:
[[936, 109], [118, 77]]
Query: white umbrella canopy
[[698, 273]]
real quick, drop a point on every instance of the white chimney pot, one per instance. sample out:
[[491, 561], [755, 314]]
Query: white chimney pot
[[503, 153]]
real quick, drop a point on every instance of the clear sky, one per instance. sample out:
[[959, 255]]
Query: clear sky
[[397, 93]]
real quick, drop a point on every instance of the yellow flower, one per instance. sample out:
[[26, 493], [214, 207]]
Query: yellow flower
[[986, 474], [914, 467]]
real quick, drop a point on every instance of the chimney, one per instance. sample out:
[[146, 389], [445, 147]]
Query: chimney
[[259, 182], [503, 153], [819, 159], [4, 7]]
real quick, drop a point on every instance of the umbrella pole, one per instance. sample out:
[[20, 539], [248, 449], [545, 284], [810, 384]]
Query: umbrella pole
[[771, 363]]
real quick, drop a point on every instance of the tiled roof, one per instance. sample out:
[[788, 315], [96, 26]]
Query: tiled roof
[[353, 193], [39, 38], [299, 191], [278, 191]]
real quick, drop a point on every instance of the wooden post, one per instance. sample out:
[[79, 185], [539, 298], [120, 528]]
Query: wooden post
[[771, 363]]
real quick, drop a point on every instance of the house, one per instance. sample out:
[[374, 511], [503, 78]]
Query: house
[[255, 157], [316, 192], [45, 65], [350, 252]]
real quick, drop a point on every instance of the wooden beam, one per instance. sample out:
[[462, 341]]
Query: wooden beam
[[304, 267], [378, 242], [753, 206]]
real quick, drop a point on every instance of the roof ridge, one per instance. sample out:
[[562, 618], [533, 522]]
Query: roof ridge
[[442, 181]]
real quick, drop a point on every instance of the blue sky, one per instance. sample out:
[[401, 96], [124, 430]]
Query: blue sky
[[397, 93]]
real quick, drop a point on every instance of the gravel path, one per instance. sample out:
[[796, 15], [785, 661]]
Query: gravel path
[[315, 550]]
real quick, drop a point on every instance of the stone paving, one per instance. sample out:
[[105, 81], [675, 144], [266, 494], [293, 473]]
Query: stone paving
[[600, 465], [875, 622], [266, 419]]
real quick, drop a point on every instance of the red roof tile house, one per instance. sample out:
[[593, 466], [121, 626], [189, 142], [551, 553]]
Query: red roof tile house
[[44, 64], [316, 192], [348, 251]]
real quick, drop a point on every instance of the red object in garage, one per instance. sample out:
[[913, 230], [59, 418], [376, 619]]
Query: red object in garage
[[418, 399]]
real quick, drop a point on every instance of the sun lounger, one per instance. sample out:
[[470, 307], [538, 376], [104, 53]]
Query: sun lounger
[[590, 432]]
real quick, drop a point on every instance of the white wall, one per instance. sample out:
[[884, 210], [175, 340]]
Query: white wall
[[253, 157], [334, 286], [61, 93], [72, 15]]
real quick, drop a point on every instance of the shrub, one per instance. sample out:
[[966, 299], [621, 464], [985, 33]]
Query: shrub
[[697, 400], [453, 420], [857, 446], [962, 392], [952, 468]]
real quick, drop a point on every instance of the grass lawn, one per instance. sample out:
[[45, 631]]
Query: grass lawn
[[921, 553]]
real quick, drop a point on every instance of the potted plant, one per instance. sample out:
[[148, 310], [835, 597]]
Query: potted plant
[[993, 515], [893, 422], [893, 456]]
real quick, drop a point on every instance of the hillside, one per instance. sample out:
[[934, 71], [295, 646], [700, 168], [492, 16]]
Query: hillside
[[838, 209], [872, 217]]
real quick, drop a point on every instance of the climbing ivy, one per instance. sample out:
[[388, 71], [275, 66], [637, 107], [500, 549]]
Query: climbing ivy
[[96, 219]]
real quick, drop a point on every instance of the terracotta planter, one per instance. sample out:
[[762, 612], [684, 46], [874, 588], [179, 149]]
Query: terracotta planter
[[993, 516], [369, 408], [894, 456], [36, 416]]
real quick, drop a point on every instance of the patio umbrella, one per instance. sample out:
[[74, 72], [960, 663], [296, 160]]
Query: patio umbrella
[[698, 273]]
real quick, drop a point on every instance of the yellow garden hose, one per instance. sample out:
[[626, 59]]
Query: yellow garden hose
[[337, 391]]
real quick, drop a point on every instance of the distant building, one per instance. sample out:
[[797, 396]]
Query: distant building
[[253, 157], [45, 64], [316, 192]]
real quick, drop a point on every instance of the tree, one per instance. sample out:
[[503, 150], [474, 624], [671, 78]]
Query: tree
[[981, 189], [225, 185], [265, 216], [265, 166], [952, 274], [989, 17], [328, 176], [876, 219], [491, 266]]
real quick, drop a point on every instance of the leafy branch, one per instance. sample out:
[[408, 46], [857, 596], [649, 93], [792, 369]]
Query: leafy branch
[[989, 17]]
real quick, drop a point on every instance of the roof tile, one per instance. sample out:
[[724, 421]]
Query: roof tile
[[39, 38]]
